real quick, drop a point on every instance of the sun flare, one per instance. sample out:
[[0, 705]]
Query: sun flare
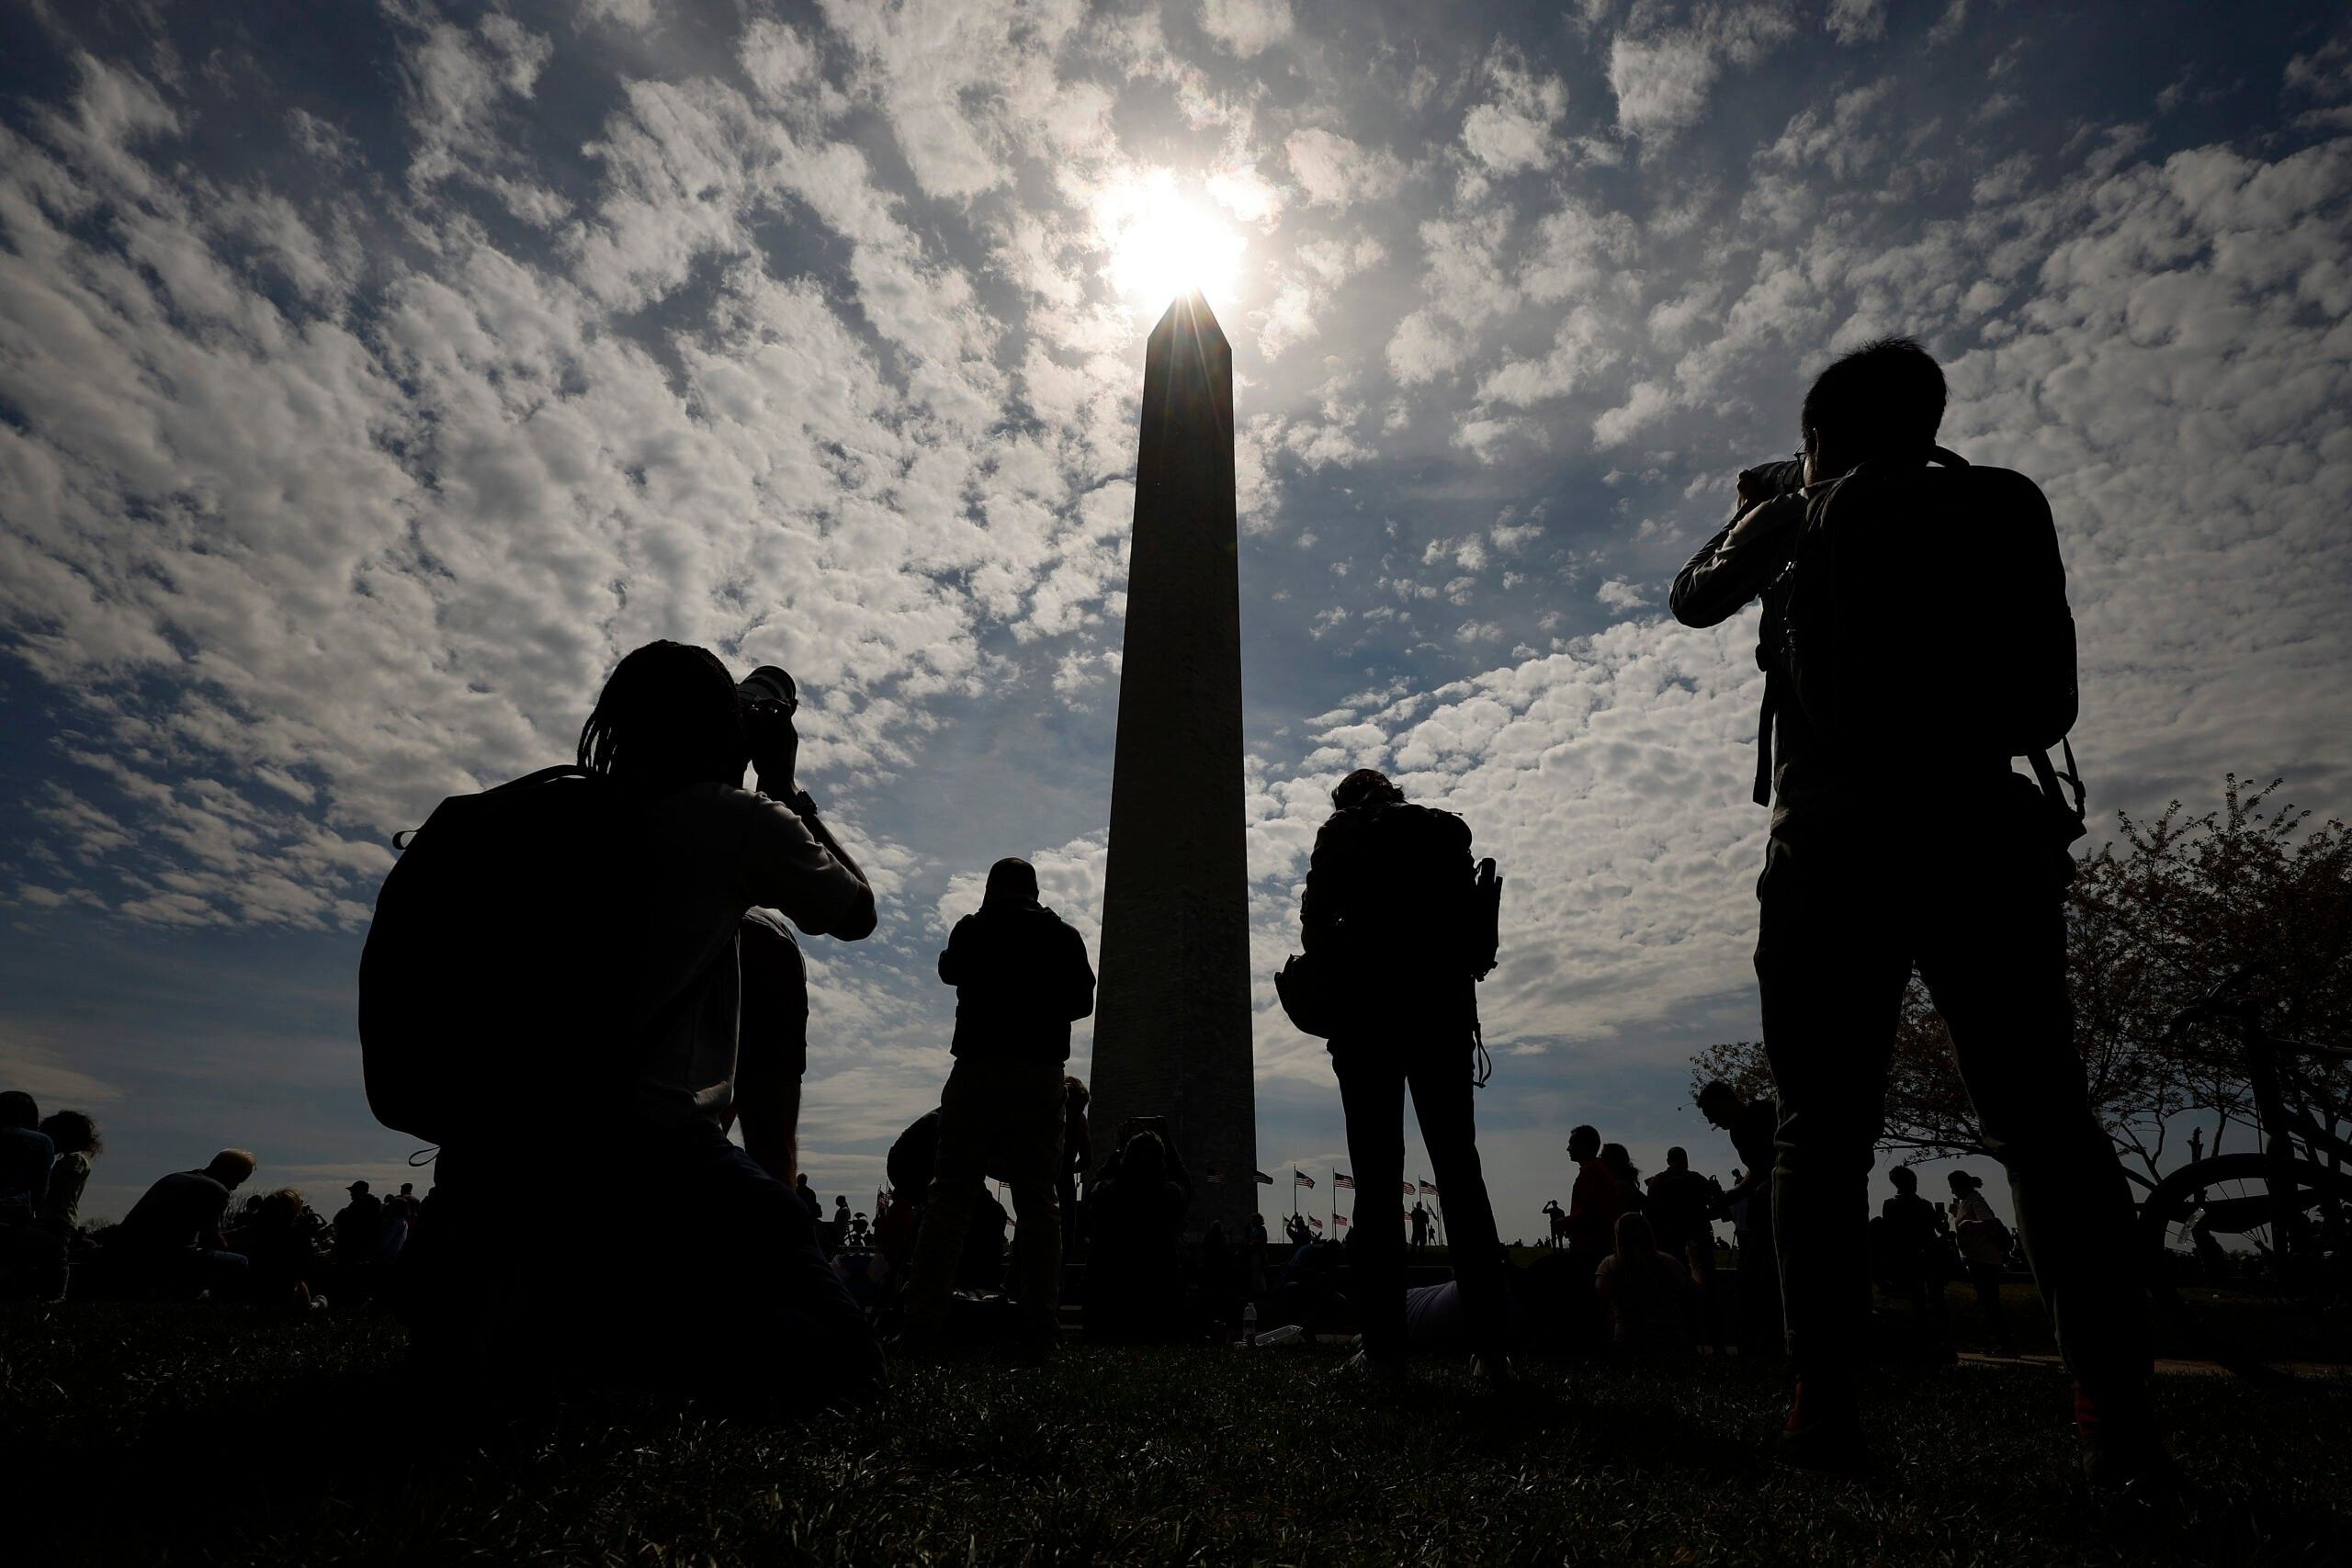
[[1164, 242]]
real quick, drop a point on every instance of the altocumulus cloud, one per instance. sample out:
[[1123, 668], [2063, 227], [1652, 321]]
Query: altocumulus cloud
[[350, 428]]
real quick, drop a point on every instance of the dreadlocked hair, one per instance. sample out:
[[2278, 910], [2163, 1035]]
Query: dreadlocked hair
[[667, 717]]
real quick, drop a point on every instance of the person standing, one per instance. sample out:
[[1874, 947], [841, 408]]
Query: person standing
[[1919, 1251], [1421, 1225], [1021, 978], [1389, 906], [1984, 1249], [1681, 1203], [1752, 1125], [1891, 718]]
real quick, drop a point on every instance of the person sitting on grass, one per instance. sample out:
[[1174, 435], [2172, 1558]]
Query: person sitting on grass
[[1021, 978], [281, 1259], [171, 1240], [25, 1154], [721, 1289], [1136, 1207], [1647, 1292], [75, 1137]]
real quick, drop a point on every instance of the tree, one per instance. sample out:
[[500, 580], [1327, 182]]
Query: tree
[[2155, 920]]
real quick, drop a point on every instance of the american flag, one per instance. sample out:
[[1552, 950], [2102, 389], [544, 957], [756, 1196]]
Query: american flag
[[1347, 1182], [1265, 1180], [1429, 1188], [1315, 1223], [1300, 1179], [1339, 1219], [1409, 1190]]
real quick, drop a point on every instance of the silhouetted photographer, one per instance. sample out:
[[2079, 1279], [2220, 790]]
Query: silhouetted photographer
[[1916, 638], [1395, 924], [552, 981]]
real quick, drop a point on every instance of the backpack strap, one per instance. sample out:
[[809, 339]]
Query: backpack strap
[[2065, 810]]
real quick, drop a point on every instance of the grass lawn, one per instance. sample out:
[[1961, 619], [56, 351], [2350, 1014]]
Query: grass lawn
[[175, 1434]]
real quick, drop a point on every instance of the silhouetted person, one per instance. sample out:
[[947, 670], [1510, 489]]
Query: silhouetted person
[[1557, 1218], [1297, 1230], [1618, 1163], [1680, 1206], [1753, 1126], [171, 1240], [1389, 906], [810, 1204], [1596, 1201], [1985, 1250], [25, 1154], [1021, 978], [1078, 1159], [772, 1050], [282, 1260], [724, 1290], [1915, 639], [1918, 1243], [1645, 1291], [909, 1165], [1135, 1283], [1420, 1225]]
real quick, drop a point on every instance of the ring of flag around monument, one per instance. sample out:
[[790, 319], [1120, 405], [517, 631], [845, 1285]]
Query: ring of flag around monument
[[1339, 1180], [1300, 1179], [1264, 1180], [1315, 1223]]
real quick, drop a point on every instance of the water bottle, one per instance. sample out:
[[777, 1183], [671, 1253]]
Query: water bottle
[[1248, 1324]]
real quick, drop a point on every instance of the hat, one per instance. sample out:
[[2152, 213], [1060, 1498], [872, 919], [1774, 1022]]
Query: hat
[[356, 1187]]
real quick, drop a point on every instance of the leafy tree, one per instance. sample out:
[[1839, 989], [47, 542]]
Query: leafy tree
[[2156, 920]]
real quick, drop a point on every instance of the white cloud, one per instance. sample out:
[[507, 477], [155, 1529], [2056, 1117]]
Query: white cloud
[[1642, 408], [1336, 172], [1514, 130], [1247, 27]]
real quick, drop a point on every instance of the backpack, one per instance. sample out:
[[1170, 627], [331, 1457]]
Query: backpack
[[1938, 590], [486, 984]]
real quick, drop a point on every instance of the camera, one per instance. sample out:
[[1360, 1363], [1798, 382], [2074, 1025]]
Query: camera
[[767, 699]]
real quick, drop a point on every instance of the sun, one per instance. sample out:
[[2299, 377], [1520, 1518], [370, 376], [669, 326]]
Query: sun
[[1164, 242]]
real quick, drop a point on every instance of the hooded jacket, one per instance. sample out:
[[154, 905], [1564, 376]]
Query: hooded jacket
[[1021, 978]]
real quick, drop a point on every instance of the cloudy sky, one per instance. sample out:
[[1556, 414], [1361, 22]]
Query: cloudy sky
[[371, 378]]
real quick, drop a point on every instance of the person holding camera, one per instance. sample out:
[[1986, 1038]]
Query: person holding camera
[[1390, 906], [1915, 639], [724, 1289]]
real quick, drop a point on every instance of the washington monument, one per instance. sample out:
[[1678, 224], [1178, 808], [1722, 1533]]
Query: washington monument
[[1171, 1033]]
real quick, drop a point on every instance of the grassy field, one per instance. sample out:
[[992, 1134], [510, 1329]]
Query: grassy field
[[193, 1434]]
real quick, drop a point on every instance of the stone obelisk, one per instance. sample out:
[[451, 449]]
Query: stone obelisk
[[1171, 1031]]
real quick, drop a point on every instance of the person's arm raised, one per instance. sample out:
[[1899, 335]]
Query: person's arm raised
[[1738, 563], [793, 862]]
